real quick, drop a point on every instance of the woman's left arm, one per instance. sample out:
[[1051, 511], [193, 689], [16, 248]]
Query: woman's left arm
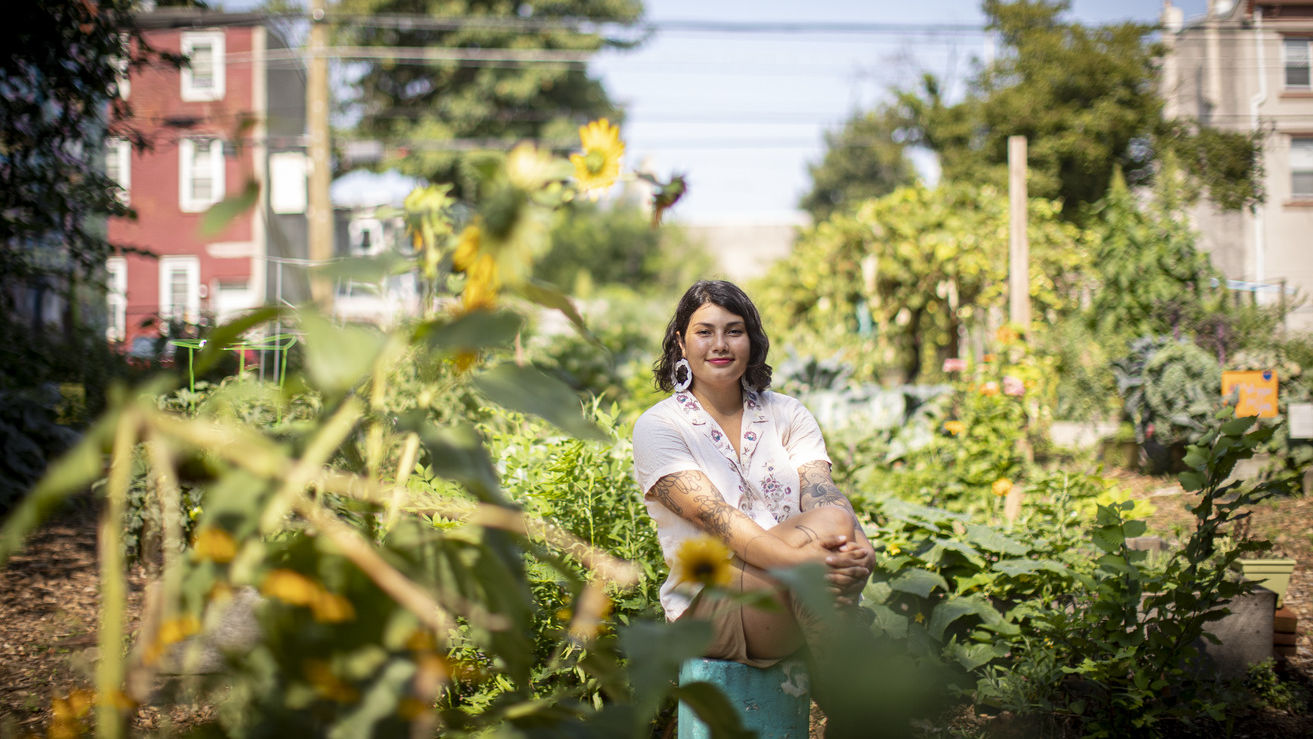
[[818, 489]]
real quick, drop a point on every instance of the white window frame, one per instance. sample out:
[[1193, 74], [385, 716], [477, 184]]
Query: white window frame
[[1298, 168], [1286, 43], [190, 91], [186, 173], [191, 312], [116, 299], [122, 68], [119, 151]]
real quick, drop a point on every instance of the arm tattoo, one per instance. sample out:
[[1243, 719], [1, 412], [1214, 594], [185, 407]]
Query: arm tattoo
[[818, 489], [710, 511], [811, 535]]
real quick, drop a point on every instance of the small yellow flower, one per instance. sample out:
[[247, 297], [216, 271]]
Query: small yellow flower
[[170, 632], [1001, 487], [920, 617], [989, 388], [893, 549], [290, 587], [954, 427], [331, 608], [176, 629], [1006, 335], [215, 545], [703, 560], [598, 167]]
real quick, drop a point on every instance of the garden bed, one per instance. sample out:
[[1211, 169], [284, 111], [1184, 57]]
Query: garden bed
[[49, 600]]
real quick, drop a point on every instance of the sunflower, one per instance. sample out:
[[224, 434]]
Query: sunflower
[[703, 560], [598, 167]]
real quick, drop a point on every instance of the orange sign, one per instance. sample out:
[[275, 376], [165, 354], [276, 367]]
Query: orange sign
[[1257, 392]]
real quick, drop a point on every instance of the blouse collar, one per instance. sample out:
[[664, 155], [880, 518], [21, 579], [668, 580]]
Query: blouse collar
[[753, 415]]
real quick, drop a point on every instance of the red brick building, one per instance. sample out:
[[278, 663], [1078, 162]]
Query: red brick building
[[233, 118]]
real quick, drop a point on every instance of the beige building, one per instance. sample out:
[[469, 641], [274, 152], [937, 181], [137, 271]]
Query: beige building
[[1245, 66]]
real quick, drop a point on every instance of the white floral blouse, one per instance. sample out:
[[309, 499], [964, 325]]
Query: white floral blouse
[[677, 435]]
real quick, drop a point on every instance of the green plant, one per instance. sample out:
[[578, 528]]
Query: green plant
[[1130, 637]]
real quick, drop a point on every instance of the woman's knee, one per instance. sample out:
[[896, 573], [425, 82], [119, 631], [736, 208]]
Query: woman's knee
[[822, 522], [831, 520]]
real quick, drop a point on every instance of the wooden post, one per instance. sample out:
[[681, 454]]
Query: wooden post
[[319, 211], [1018, 245]]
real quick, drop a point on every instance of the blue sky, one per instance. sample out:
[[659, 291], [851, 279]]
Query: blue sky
[[743, 114]]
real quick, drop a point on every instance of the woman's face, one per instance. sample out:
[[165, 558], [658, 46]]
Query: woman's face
[[716, 346]]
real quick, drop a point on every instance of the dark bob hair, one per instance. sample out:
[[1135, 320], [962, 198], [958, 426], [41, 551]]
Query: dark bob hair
[[727, 295]]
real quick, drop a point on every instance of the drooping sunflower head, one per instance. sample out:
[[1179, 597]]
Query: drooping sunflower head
[[598, 166], [703, 560]]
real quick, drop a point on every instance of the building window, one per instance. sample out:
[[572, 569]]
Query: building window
[[180, 289], [366, 236], [118, 166], [200, 176], [116, 298], [1301, 167], [1296, 53], [203, 77], [287, 175]]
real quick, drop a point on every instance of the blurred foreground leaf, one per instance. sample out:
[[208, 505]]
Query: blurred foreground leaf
[[528, 390]]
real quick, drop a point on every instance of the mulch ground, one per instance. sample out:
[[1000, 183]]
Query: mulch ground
[[49, 600]]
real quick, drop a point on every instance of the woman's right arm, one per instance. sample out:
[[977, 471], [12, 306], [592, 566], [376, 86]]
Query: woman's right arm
[[692, 496]]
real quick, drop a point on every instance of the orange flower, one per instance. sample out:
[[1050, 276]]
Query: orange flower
[[1001, 487], [989, 388], [954, 427], [1006, 335], [987, 358]]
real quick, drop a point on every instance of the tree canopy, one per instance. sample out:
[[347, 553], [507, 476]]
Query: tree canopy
[[59, 96], [432, 116], [902, 273], [1086, 99], [863, 159]]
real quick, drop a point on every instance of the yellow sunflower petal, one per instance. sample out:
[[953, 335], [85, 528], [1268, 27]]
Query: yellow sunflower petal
[[598, 166]]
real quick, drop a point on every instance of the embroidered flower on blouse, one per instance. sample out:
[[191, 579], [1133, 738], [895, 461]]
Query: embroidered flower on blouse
[[750, 436]]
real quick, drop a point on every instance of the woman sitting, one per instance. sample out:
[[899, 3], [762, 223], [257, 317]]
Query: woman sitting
[[725, 456]]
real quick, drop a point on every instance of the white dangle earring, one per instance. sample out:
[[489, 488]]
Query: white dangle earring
[[681, 385]]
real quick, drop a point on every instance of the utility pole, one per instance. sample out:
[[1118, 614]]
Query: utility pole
[[1018, 244], [320, 207]]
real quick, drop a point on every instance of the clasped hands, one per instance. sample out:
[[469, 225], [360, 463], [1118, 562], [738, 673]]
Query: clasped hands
[[849, 565]]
